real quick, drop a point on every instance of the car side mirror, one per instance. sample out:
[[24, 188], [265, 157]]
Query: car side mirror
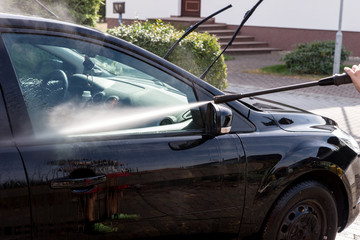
[[218, 119]]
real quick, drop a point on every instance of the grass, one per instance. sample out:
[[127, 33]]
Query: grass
[[228, 57], [279, 69]]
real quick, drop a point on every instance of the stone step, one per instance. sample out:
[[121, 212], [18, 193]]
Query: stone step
[[244, 51], [211, 27], [221, 32], [242, 44], [251, 44], [238, 38]]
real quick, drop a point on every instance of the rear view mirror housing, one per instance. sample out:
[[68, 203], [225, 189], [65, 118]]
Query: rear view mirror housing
[[218, 119]]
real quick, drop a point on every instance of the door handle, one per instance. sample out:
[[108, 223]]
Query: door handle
[[75, 183]]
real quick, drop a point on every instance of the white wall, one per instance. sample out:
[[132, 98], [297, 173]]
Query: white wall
[[307, 14], [143, 9]]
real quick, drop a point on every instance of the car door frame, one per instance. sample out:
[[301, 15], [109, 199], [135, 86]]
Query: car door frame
[[15, 197]]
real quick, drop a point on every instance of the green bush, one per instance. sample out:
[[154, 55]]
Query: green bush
[[79, 11], [194, 53], [313, 58]]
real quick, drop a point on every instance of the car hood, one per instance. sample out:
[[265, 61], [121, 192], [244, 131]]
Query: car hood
[[293, 119], [300, 122]]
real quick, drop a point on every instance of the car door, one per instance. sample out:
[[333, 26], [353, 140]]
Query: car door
[[114, 146]]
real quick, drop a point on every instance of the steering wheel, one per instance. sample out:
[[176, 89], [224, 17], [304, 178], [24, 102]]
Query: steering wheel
[[56, 85]]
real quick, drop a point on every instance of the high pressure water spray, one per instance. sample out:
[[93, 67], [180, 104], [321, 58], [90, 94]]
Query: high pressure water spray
[[337, 79]]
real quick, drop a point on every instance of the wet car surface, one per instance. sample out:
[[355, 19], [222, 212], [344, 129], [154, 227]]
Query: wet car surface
[[101, 139]]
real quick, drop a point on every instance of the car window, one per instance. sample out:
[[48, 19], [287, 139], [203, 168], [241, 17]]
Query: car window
[[73, 87]]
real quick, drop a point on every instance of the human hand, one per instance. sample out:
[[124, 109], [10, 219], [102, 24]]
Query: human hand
[[354, 73]]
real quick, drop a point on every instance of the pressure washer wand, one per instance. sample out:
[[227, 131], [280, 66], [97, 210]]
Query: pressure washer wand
[[337, 79]]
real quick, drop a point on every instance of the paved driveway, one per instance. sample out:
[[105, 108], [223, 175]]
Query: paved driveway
[[341, 103]]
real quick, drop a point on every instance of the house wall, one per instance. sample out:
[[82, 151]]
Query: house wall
[[283, 23], [144, 9], [302, 14], [288, 38]]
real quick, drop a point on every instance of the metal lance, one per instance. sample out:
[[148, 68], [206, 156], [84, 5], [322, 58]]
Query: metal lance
[[337, 79]]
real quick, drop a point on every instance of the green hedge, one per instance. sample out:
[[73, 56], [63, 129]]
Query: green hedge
[[83, 12], [194, 53], [313, 58]]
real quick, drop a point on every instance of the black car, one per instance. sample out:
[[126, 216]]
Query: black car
[[103, 140]]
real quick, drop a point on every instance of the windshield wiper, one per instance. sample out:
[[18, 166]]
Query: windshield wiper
[[48, 10], [246, 17], [192, 28]]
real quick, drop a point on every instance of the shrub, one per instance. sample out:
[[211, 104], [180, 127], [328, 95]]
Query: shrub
[[79, 11], [194, 53], [313, 58]]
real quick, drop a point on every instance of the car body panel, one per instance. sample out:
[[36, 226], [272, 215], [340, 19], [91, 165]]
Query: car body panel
[[165, 183], [286, 156], [270, 171]]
